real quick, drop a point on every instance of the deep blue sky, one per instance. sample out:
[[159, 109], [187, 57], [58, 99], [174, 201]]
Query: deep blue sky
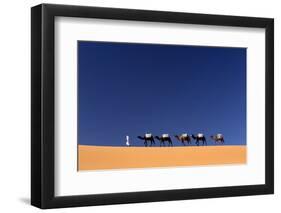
[[130, 89]]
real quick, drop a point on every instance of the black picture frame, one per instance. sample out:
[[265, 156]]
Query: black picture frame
[[43, 113]]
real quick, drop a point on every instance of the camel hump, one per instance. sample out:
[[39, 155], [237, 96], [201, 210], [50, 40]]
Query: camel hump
[[219, 136], [184, 135], [200, 135], [148, 135], [165, 135]]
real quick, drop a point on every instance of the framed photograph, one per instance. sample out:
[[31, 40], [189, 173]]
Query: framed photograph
[[140, 106]]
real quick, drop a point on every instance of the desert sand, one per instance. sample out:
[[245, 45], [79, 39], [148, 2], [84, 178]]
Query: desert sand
[[106, 157]]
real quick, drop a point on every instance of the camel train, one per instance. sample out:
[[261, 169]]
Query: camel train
[[185, 139]]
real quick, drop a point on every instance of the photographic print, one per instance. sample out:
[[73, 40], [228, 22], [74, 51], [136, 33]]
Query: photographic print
[[130, 95], [160, 105]]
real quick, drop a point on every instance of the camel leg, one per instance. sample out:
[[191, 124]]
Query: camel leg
[[151, 142], [183, 142]]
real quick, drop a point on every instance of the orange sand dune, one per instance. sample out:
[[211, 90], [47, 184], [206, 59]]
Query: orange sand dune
[[106, 157]]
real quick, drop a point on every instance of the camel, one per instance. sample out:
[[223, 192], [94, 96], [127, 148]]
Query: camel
[[218, 138], [184, 137], [163, 138], [146, 138], [199, 137]]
